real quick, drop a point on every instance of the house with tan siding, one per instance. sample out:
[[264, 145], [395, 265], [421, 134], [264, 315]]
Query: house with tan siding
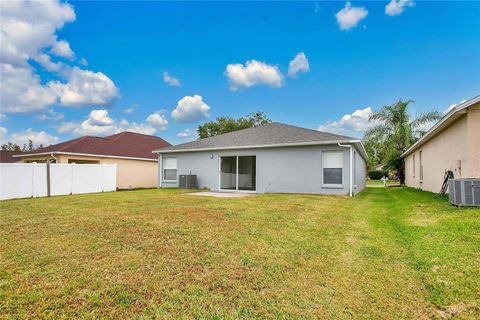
[[453, 143], [131, 152]]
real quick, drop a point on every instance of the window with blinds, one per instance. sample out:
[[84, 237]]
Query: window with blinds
[[169, 169], [332, 164]]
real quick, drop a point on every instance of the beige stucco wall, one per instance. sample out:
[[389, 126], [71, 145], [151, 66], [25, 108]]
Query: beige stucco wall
[[456, 148], [130, 173], [473, 124]]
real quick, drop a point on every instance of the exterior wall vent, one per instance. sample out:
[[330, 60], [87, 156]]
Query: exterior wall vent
[[464, 192]]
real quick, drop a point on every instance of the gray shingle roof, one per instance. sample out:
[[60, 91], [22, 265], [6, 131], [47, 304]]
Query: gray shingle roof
[[266, 135]]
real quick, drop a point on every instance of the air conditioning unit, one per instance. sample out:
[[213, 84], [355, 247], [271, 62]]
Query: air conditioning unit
[[464, 192], [188, 181]]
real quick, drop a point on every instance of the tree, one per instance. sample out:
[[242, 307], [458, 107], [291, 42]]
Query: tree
[[9, 146], [227, 124], [395, 130], [30, 145], [376, 153]]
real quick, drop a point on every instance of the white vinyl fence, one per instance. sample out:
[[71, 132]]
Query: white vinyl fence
[[25, 180]]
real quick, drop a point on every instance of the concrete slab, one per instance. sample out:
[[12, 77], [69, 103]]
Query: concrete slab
[[220, 194]]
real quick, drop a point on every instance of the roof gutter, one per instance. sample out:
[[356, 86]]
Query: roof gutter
[[298, 144], [24, 155]]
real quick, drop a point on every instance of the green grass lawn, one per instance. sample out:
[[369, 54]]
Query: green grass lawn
[[385, 254], [378, 183]]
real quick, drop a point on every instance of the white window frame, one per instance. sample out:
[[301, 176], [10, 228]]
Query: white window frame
[[163, 169], [330, 185]]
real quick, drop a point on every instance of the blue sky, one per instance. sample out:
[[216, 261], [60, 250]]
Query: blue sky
[[229, 59]]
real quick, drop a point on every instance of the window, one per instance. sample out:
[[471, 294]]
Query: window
[[414, 166], [169, 169], [421, 165], [332, 163]]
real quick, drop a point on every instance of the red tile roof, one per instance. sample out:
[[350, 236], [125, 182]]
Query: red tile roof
[[7, 156], [124, 144]]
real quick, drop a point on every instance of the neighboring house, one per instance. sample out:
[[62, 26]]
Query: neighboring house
[[7, 156], [270, 158], [453, 143], [131, 152]]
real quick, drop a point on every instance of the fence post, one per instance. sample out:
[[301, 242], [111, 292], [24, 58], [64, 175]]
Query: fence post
[[48, 178]]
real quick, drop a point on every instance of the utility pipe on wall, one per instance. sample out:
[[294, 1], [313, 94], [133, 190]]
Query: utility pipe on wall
[[349, 146]]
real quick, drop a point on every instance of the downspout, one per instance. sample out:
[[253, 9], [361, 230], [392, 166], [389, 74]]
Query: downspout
[[349, 146]]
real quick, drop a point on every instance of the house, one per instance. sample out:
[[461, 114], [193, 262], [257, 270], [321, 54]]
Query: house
[[131, 152], [270, 158], [6, 156], [453, 143]]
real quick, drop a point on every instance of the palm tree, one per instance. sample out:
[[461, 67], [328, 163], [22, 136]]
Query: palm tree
[[394, 130]]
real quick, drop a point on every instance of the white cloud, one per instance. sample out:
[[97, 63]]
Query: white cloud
[[28, 33], [29, 26], [99, 123], [21, 90], [129, 110], [353, 124], [67, 127], [46, 62], [252, 73], [62, 49], [50, 115], [185, 133], [139, 128], [396, 7], [349, 16], [171, 80], [190, 109], [37, 137], [83, 62], [86, 88], [100, 118], [157, 121], [104, 125], [452, 106], [3, 133], [298, 64]]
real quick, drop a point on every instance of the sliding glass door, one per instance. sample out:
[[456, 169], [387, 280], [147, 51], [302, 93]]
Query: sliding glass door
[[247, 171], [238, 173], [228, 173]]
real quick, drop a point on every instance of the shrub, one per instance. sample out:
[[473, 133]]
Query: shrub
[[377, 174]]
